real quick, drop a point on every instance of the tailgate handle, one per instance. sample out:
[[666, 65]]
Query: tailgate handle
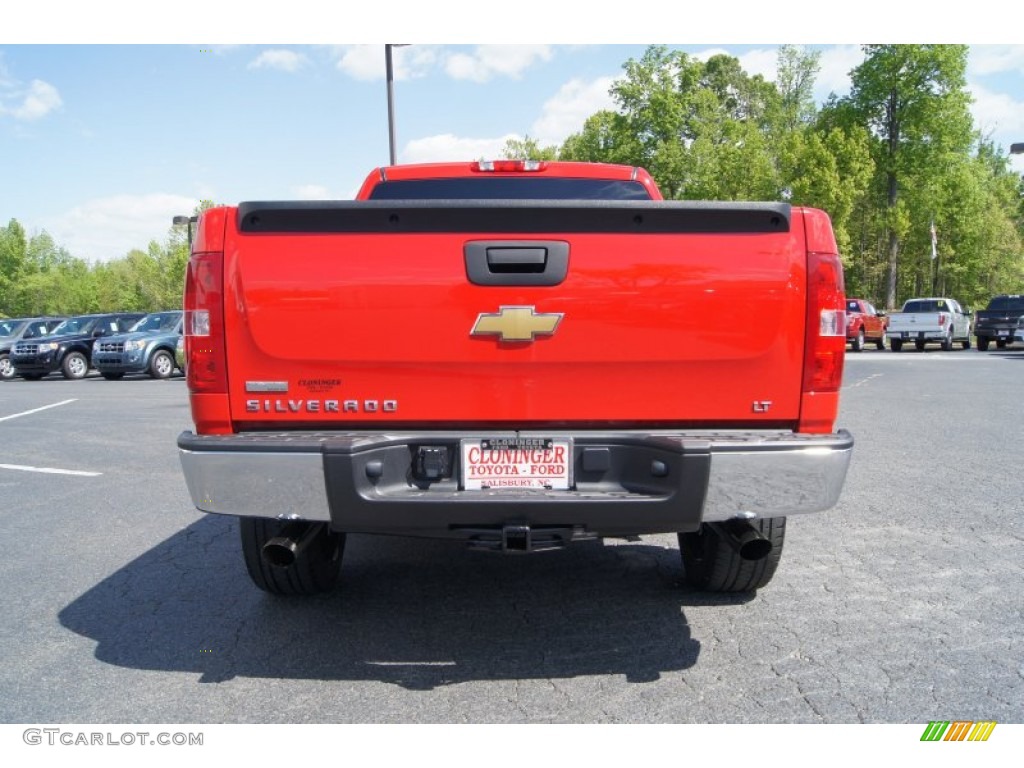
[[517, 262], [521, 260]]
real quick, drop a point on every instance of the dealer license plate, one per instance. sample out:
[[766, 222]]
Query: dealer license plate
[[516, 462]]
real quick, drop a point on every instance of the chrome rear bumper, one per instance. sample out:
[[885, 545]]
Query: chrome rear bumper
[[646, 482]]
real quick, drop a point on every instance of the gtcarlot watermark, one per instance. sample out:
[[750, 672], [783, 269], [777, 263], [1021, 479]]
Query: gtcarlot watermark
[[60, 737]]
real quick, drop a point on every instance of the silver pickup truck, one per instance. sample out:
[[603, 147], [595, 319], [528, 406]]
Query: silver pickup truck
[[932, 320]]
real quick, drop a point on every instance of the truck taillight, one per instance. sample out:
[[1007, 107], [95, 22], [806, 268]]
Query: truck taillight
[[204, 324], [825, 342], [942, 318], [508, 166]]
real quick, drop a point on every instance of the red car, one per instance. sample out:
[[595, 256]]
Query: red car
[[864, 323]]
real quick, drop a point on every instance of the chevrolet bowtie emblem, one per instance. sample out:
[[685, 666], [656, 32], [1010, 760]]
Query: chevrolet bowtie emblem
[[516, 323]]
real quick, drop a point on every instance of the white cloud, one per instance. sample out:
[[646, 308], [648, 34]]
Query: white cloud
[[565, 112], [488, 61], [448, 147], [312, 192], [363, 62], [37, 101], [762, 61], [279, 58], [107, 228], [462, 66], [836, 63], [996, 112], [367, 62], [996, 59]]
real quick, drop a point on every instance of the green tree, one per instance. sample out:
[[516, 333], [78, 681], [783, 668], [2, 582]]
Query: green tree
[[13, 248], [831, 170], [913, 99], [796, 71], [528, 148], [700, 128], [605, 138]]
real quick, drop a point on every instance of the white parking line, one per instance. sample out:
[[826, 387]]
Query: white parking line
[[50, 471], [37, 410], [862, 382]]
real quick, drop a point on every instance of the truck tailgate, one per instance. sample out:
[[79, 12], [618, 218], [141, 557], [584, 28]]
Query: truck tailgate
[[351, 314]]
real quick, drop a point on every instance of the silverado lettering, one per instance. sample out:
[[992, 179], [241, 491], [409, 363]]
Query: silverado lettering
[[316, 406], [530, 317]]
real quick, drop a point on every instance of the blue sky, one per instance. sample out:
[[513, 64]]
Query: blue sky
[[107, 131]]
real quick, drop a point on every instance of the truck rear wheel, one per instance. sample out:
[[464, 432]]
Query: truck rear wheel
[[895, 344], [314, 567], [858, 341], [711, 564], [983, 343]]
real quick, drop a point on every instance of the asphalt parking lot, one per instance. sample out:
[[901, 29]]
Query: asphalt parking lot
[[901, 605]]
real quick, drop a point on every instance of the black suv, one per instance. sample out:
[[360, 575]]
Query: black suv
[[15, 329], [68, 348]]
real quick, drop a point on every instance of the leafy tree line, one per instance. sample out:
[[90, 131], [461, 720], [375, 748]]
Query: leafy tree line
[[39, 277], [894, 159]]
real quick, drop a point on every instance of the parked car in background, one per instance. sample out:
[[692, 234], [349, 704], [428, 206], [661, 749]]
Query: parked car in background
[[68, 347], [937, 320], [864, 323], [15, 329], [147, 348], [179, 354], [998, 322]]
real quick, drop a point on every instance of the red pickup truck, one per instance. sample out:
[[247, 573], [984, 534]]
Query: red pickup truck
[[864, 323], [516, 355]]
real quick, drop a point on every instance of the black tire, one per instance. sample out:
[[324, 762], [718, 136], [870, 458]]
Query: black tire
[[315, 568], [983, 343], [857, 345], [112, 376], [161, 364], [6, 368], [947, 343], [709, 563], [75, 365], [895, 344], [966, 343], [880, 343]]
